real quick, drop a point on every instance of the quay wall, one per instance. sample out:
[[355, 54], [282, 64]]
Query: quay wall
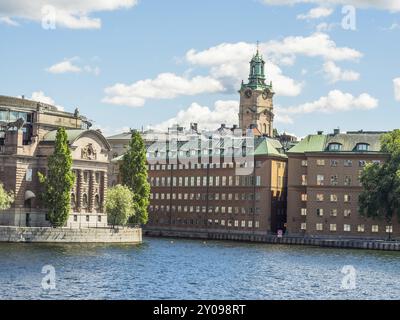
[[273, 239], [69, 235]]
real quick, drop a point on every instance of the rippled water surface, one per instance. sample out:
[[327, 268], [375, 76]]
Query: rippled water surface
[[191, 269]]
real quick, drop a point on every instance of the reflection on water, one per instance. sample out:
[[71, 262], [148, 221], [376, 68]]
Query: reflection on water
[[190, 269]]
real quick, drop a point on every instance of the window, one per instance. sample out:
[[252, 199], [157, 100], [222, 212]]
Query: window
[[304, 197], [87, 218], [243, 224], [334, 180], [333, 212], [304, 163], [257, 224], [362, 147], [85, 201], [320, 180], [319, 227], [320, 212], [29, 174], [360, 228], [375, 228], [250, 224], [348, 163], [97, 201], [320, 162], [303, 180], [346, 198], [320, 197], [335, 147], [334, 198], [303, 211], [98, 218], [334, 163], [347, 180], [97, 177], [389, 229], [75, 218], [303, 226], [347, 228], [332, 227], [347, 212]]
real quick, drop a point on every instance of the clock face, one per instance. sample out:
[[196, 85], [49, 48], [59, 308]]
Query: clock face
[[248, 93]]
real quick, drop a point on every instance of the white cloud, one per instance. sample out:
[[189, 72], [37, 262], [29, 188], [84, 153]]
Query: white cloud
[[335, 73], [39, 96], [316, 13], [396, 84], [64, 67], [224, 111], [8, 21], [73, 14], [335, 101], [164, 86], [391, 5], [72, 65]]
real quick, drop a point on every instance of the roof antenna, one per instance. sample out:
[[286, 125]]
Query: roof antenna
[[258, 44]]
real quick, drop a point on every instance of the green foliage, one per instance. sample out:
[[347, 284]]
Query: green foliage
[[59, 181], [6, 198], [133, 173], [380, 198], [119, 205]]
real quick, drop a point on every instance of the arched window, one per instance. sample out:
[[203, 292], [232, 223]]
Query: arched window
[[362, 147], [265, 128], [85, 201], [73, 200], [97, 201], [334, 147]]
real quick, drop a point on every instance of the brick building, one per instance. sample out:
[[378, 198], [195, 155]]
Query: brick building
[[324, 185], [27, 135]]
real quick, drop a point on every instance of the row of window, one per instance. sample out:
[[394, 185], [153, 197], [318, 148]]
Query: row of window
[[85, 201], [191, 165], [87, 218], [333, 212], [214, 222], [203, 209], [321, 197], [334, 180], [203, 196], [204, 182], [335, 162], [347, 227]]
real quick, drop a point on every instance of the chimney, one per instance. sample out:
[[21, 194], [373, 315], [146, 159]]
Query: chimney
[[193, 126], [320, 133], [336, 131], [223, 126]]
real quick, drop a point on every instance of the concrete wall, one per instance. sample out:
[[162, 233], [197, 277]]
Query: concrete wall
[[65, 235]]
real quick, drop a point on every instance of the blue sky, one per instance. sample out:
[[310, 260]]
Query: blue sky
[[128, 63]]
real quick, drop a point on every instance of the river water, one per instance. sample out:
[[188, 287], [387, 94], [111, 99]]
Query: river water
[[194, 269]]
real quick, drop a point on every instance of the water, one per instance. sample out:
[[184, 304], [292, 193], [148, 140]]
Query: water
[[191, 269]]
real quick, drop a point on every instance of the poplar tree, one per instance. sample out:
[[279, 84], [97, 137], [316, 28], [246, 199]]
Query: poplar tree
[[133, 171], [59, 181]]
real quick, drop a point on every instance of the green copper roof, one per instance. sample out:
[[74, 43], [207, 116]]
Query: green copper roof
[[266, 146], [257, 74], [348, 142], [72, 135]]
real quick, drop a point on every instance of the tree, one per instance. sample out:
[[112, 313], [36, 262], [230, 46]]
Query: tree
[[119, 205], [380, 198], [59, 181], [6, 198], [133, 172]]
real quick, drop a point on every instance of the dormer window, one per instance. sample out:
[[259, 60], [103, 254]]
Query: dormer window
[[334, 147], [362, 147]]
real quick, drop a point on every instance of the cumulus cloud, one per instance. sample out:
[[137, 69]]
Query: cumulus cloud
[[391, 5], [8, 21], [316, 13], [224, 111], [164, 86], [335, 73], [335, 101], [396, 83], [72, 65], [74, 14], [39, 96], [64, 67]]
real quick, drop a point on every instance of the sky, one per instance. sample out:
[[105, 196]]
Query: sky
[[153, 63]]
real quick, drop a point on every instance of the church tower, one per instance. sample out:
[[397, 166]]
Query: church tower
[[256, 105]]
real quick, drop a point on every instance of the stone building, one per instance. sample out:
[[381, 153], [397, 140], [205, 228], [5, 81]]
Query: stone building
[[324, 185], [27, 135]]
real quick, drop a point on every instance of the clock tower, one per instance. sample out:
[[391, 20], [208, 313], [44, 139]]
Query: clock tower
[[256, 105]]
